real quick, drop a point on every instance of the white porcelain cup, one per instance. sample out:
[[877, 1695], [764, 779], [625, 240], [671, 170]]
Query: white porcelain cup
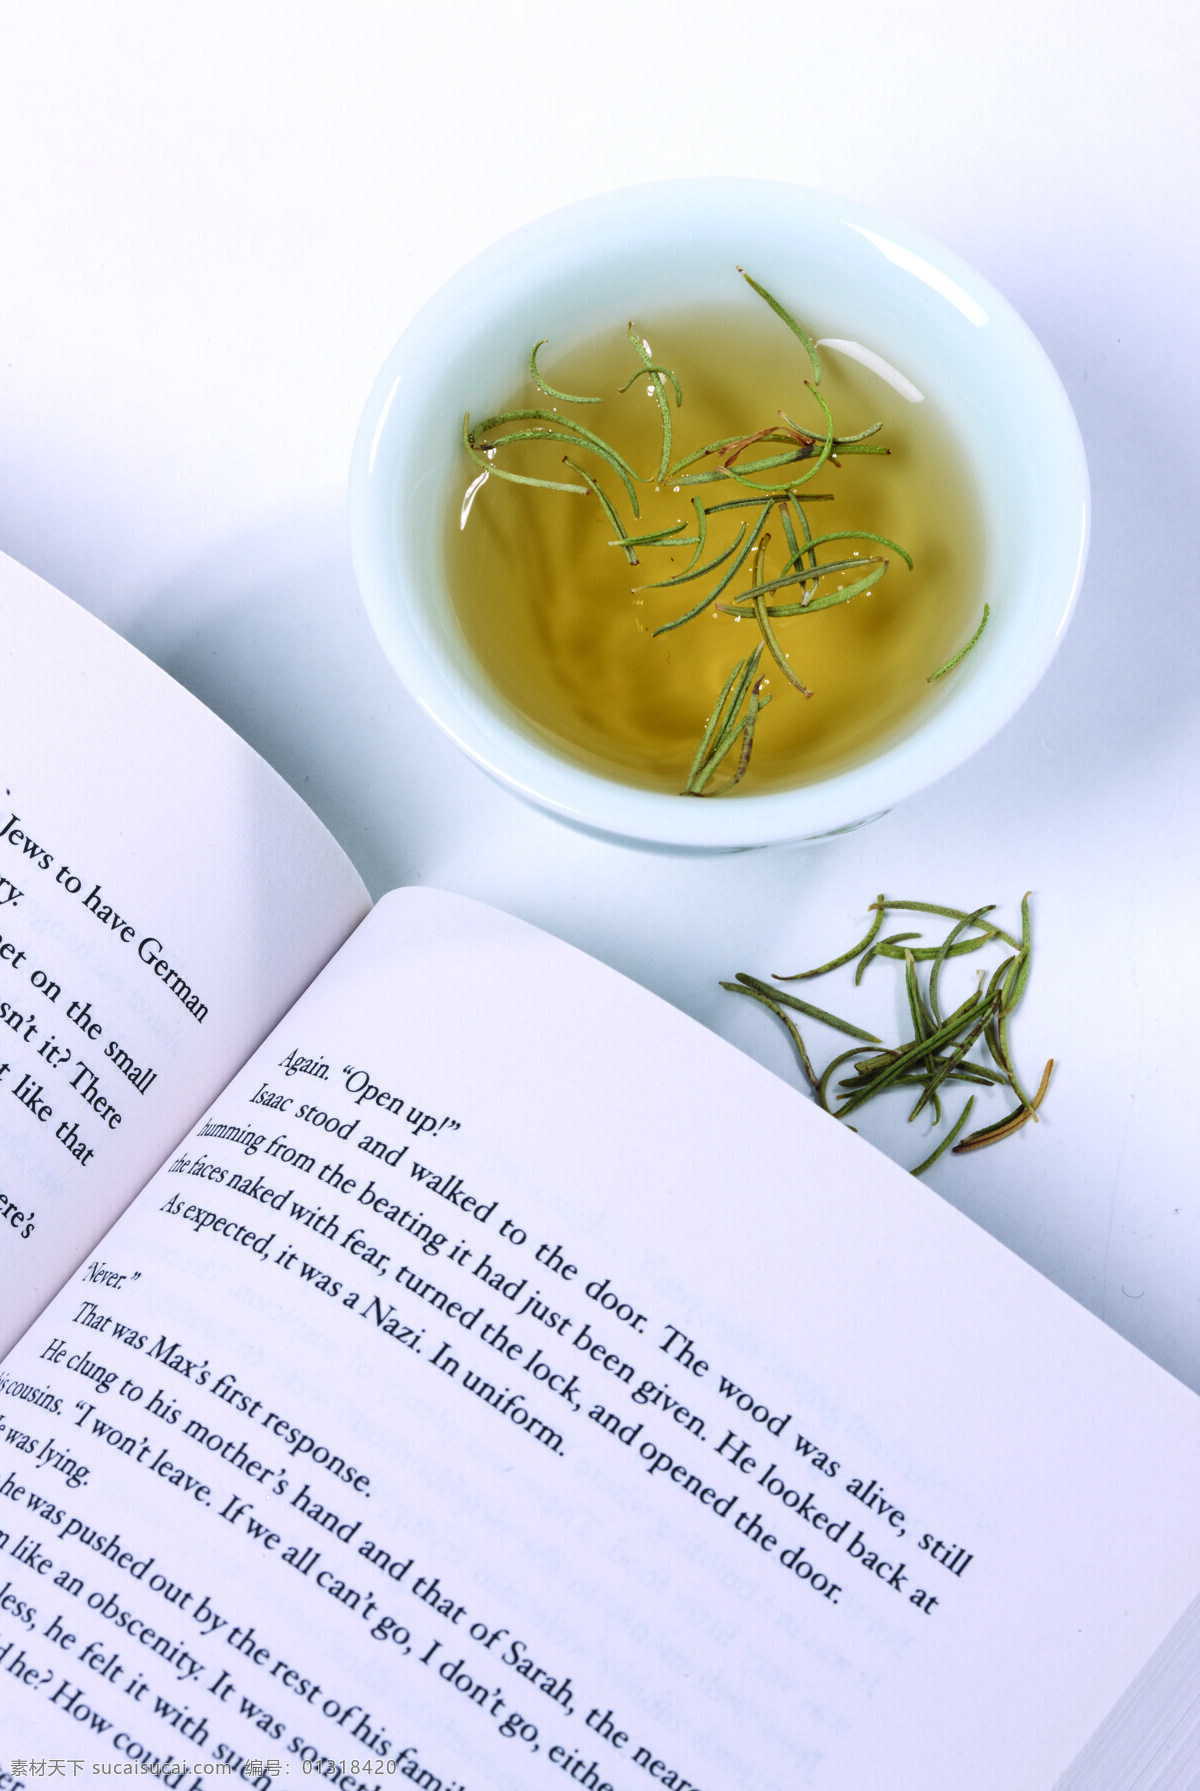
[[640, 252]]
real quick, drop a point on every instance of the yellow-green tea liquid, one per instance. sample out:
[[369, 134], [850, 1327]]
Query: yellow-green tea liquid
[[563, 626]]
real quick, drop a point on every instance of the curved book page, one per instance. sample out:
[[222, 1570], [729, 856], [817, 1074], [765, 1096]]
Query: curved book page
[[164, 897], [509, 1385]]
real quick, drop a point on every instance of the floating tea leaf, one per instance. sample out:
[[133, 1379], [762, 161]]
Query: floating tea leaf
[[620, 677]]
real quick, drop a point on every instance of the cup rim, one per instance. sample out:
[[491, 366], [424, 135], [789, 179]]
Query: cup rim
[[430, 663]]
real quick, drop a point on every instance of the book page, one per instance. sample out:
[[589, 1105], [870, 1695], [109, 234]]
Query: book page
[[164, 897], [507, 1385]]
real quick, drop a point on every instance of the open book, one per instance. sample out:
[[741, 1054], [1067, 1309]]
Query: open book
[[499, 1383]]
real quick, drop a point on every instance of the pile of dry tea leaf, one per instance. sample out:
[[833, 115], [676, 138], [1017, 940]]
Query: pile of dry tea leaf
[[968, 1045]]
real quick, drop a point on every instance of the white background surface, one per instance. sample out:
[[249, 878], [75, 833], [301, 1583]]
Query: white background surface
[[214, 221]]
